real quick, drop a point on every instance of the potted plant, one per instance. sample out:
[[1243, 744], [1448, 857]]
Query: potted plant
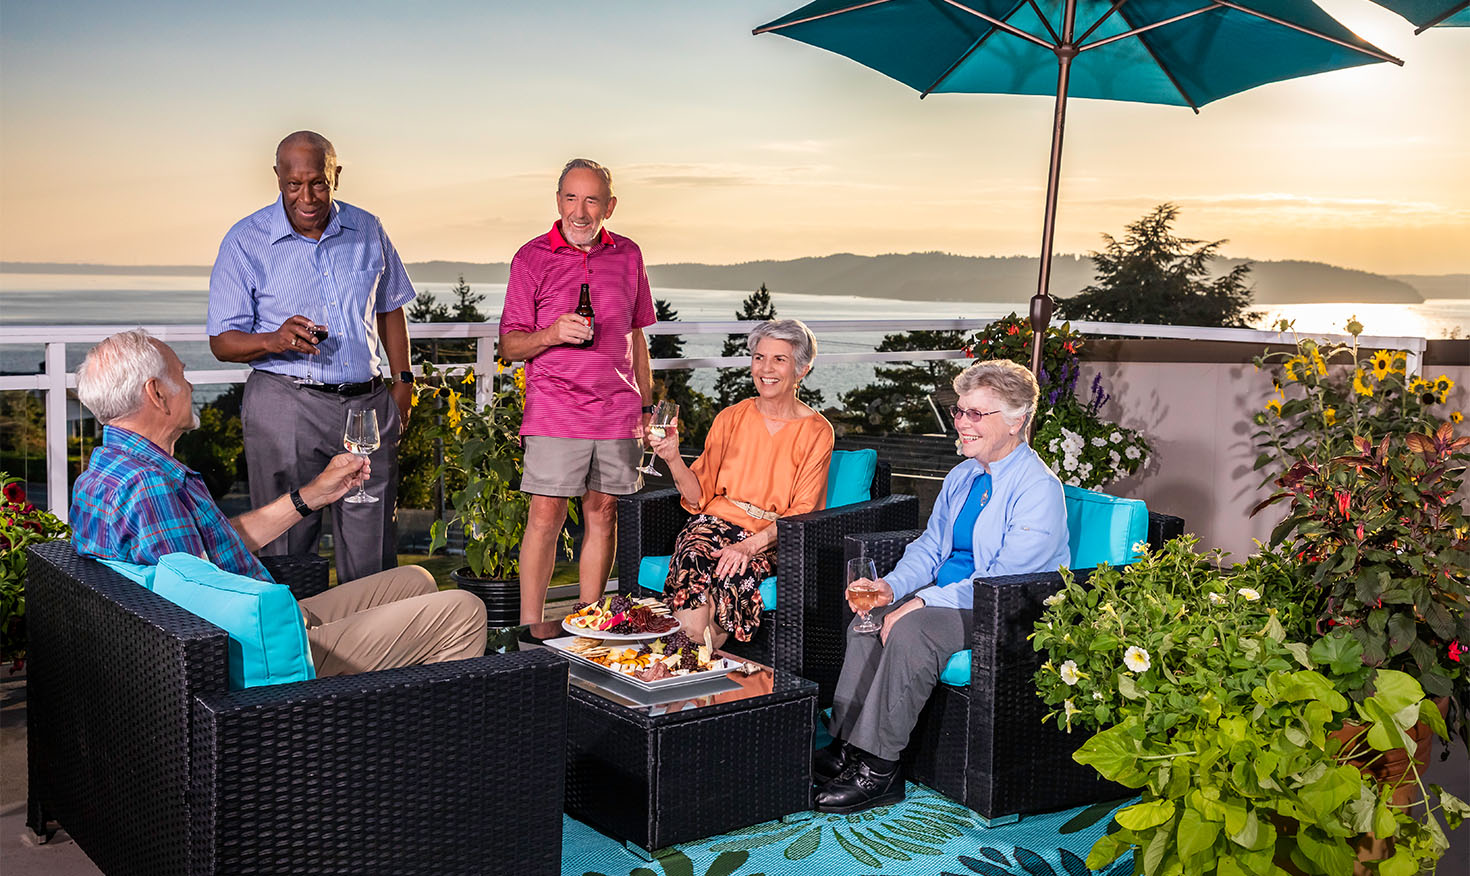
[[21, 524], [481, 469], [1201, 701], [1071, 436], [1368, 469]]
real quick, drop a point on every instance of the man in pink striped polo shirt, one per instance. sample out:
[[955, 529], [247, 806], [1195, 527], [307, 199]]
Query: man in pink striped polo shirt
[[584, 404]]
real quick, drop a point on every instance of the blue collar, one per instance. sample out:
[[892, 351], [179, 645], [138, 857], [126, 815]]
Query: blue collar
[[135, 445], [280, 227]]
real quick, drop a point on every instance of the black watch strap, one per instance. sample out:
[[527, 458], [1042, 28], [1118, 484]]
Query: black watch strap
[[301, 507], [405, 377], [648, 409]]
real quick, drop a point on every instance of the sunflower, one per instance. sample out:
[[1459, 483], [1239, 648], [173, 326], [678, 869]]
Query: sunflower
[[1318, 362], [1360, 386], [1442, 387], [1424, 390], [1292, 365], [1456, 417], [1329, 416], [1400, 362], [1382, 364], [1274, 406]]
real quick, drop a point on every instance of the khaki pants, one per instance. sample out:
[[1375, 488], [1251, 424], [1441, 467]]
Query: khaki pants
[[397, 617]]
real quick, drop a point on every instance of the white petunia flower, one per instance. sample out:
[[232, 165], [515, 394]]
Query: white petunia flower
[[1099, 441], [1136, 659], [1132, 452], [1085, 469], [1069, 673], [1114, 458], [1055, 599], [1070, 709], [1069, 463], [1116, 437], [1140, 547], [1216, 599], [1249, 594], [1052, 445]]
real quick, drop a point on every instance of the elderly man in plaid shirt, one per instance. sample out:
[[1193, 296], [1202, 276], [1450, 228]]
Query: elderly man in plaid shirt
[[136, 503]]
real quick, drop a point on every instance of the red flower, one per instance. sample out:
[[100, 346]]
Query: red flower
[[15, 492], [1360, 532], [1342, 501], [1011, 330], [1456, 650]]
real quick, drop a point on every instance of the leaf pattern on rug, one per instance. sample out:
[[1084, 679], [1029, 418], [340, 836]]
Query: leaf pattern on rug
[[676, 863]]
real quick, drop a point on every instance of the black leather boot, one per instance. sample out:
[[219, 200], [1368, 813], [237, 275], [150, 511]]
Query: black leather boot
[[828, 763], [859, 787]]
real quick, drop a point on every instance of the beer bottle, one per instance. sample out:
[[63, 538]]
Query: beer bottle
[[584, 310]]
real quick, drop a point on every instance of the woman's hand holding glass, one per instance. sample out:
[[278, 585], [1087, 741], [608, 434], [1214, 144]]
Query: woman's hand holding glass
[[663, 440]]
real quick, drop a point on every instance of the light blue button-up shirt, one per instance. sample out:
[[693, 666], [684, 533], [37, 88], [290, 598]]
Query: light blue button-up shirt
[[1023, 528], [266, 273]]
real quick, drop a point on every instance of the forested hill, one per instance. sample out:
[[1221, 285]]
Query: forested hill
[[930, 276]]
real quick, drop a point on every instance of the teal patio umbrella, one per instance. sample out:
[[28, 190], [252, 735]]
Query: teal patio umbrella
[[1179, 52], [1430, 13]]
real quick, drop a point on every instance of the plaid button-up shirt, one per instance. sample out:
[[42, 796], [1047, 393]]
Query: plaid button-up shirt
[[136, 503]]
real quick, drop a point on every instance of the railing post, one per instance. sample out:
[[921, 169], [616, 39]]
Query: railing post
[[484, 370], [56, 462]]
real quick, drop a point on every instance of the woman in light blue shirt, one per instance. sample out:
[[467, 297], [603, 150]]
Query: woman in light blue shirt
[[1000, 512]]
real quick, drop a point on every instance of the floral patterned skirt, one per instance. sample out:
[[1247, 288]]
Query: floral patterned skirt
[[692, 580]]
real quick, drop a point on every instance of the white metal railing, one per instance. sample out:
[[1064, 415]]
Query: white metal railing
[[55, 379]]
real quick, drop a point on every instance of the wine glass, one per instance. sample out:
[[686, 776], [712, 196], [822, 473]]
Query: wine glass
[[361, 439], [863, 596], [665, 414], [319, 336]]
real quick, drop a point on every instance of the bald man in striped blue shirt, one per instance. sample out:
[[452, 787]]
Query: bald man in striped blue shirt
[[304, 290]]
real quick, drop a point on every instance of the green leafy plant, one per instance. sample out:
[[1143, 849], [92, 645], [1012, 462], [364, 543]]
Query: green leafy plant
[[21, 524], [1071, 436], [1222, 722], [1368, 474], [482, 467]]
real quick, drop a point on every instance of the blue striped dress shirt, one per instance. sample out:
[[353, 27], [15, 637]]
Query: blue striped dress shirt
[[266, 273]]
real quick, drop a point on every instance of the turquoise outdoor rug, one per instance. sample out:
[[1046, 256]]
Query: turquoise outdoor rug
[[925, 835]]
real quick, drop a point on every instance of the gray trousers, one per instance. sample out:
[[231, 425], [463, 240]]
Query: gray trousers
[[291, 432], [883, 688]]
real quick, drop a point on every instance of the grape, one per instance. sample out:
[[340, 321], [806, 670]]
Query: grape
[[623, 627], [679, 641], [619, 603], [689, 660], [578, 606]]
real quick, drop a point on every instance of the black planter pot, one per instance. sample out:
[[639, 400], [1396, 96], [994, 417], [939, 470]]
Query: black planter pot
[[502, 598]]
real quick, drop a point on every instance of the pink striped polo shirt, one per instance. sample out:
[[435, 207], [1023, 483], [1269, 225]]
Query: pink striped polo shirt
[[573, 392]]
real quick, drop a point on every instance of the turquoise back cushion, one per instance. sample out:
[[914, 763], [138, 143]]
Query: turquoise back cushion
[[1103, 528], [850, 477], [654, 571], [132, 571], [1100, 529], [267, 633]]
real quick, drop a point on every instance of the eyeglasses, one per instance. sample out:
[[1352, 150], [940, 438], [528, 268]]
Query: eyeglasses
[[959, 413]]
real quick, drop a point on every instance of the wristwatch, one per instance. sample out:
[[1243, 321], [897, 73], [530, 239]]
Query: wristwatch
[[648, 409], [301, 507], [405, 377]]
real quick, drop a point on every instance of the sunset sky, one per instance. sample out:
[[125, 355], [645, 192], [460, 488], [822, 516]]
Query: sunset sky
[[137, 133]]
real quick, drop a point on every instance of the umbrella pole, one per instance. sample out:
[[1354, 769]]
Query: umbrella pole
[[1041, 302]]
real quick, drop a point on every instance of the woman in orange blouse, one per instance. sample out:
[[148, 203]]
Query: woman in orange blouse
[[765, 457]]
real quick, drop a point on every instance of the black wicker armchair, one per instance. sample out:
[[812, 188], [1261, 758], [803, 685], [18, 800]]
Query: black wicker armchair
[[805, 633], [985, 745], [137, 747]]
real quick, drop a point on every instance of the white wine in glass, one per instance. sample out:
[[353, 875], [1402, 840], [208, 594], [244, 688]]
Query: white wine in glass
[[361, 439], [863, 591], [665, 414]]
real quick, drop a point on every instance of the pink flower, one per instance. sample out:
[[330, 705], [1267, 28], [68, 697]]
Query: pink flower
[[15, 492], [1456, 650]]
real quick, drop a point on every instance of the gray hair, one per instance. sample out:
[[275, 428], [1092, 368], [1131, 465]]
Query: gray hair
[[586, 164], [110, 381], [792, 331], [1013, 384]]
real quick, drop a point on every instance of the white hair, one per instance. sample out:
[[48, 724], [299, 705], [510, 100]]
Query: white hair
[[586, 164], [110, 381], [1013, 385], [792, 331]]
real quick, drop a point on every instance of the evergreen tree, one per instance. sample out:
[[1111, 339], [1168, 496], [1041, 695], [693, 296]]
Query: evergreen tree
[[463, 307], [898, 400], [696, 410], [733, 384], [1153, 277]]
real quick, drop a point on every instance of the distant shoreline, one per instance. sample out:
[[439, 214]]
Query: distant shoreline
[[913, 276]]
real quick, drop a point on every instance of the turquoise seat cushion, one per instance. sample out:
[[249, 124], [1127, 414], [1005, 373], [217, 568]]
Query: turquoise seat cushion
[[957, 671], [850, 477], [267, 633], [654, 571], [1100, 529], [1103, 528], [138, 574]]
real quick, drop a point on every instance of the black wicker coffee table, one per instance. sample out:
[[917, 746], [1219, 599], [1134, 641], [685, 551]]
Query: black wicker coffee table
[[657, 768]]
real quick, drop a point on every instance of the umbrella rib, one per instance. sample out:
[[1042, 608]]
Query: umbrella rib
[[1135, 31], [968, 52], [1044, 23], [1010, 29], [1370, 51], [769, 28], [1157, 60], [1442, 16], [1109, 14]]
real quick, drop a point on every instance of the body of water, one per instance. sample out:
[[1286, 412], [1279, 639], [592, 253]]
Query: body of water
[[73, 299]]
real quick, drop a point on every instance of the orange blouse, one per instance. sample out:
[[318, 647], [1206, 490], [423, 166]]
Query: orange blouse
[[784, 473]]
